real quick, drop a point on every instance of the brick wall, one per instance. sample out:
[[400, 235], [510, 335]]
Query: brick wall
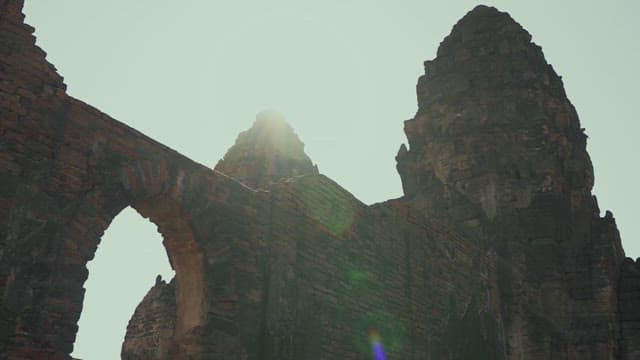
[[496, 251]]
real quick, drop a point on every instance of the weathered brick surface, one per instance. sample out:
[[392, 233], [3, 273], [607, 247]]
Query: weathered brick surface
[[150, 329], [497, 153], [496, 251], [629, 302], [67, 170]]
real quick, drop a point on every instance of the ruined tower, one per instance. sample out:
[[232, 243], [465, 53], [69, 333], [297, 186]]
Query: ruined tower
[[496, 152], [497, 250]]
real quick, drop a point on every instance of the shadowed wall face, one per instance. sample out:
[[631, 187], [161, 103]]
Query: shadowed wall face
[[300, 268]]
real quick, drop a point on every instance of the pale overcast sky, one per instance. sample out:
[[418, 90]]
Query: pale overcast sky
[[193, 74]]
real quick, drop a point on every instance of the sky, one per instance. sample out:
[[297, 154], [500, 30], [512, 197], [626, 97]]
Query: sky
[[193, 74]]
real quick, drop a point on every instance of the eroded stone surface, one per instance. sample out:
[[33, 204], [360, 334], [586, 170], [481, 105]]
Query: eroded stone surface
[[496, 251], [496, 151], [629, 307], [151, 327]]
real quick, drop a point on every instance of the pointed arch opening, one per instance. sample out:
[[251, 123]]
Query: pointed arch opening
[[181, 253], [128, 259]]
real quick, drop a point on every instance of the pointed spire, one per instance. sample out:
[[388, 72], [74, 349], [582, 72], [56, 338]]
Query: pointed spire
[[486, 25], [269, 151], [492, 115]]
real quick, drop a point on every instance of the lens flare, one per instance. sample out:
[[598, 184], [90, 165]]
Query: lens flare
[[332, 209], [377, 334], [376, 345]]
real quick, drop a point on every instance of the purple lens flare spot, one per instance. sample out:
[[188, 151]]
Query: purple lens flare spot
[[378, 352]]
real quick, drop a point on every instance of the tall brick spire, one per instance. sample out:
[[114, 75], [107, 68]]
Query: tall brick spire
[[497, 153], [493, 124]]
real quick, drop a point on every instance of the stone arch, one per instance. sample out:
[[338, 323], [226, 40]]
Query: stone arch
[[186, 259], [158, 199]]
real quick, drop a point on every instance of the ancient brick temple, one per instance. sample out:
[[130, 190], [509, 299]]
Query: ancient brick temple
[[495, 251]]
